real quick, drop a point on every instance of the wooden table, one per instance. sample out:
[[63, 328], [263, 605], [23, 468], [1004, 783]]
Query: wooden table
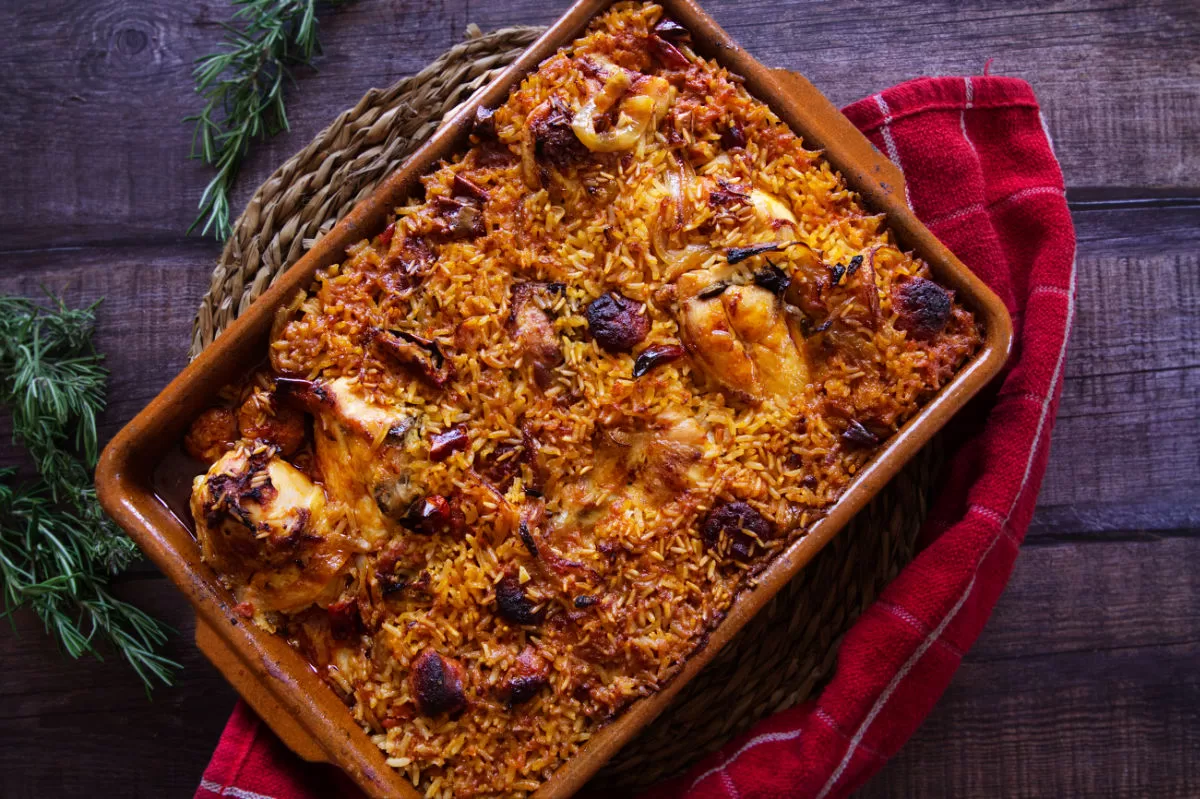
[[1087, 678]]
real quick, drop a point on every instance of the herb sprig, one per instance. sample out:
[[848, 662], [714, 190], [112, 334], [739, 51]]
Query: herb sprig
[[57, 547], [243, 88]]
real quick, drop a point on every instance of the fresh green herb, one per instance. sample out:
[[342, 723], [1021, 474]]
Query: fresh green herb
[[243, 89], [57, 547]]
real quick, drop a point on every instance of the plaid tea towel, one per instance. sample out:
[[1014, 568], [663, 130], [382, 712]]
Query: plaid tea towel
[[980, 171]]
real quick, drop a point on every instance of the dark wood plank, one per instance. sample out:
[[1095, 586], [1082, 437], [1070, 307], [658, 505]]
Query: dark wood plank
[[87, 728], [1083, 684], [96, 90], [1125, 451]]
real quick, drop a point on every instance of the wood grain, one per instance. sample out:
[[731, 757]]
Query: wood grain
[[1123, 105], [1104, 700], [1084, 682]]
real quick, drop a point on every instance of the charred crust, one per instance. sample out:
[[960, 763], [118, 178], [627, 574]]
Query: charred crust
[[436, 683], [617, 323], [514, 605], [922, 307], [527, 540]]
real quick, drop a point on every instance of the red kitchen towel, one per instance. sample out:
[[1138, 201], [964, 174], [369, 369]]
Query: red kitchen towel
[[981, 173]]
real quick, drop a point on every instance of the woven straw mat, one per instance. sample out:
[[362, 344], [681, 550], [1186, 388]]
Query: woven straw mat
[[788, 651]]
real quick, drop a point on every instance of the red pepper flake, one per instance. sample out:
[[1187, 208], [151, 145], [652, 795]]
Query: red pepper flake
[[244, 609], [442, 445], [465, 187], [667, 53], [857, 435], [671, 30]]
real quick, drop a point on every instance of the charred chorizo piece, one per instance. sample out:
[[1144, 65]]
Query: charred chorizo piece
[[212, 435], [529, 675], [554, 142], [436, 683], [922, 306], [263, 417], [514, 605], [617, 323]]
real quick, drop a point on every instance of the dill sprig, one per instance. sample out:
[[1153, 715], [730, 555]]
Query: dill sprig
[[243, 88], [57, 547]]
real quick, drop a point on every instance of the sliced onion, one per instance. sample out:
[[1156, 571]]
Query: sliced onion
[[638, 112]]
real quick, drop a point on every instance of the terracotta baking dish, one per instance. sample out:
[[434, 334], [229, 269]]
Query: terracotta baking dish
[[135, 477]]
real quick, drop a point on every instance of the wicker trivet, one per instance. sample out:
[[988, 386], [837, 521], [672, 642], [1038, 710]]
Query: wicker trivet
[[781, 657]]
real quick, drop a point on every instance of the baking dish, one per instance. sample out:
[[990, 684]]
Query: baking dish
[[274, 678]]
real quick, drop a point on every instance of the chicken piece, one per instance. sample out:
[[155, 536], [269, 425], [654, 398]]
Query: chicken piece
[[343, 400], [259, 517], [214, 433], [639, 464], [771, 211], [740, 336], [534, 331], [359, 449], [756, 317]]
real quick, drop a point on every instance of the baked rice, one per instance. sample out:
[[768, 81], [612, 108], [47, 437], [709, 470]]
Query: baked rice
[[512, 460]]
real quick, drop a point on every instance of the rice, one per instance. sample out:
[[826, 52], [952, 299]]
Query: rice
[[596, 526]]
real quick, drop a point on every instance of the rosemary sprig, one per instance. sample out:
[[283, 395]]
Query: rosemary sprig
[[243, 88], [57, 548]]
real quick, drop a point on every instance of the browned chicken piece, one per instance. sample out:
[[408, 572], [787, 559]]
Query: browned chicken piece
[[530, 321], [352, 406], [641, 464], [359, 448], [436, 683], [739, 335], [214, 433], [259, 517], [263, 417]]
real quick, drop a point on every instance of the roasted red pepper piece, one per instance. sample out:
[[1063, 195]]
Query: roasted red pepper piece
[[442, 445], [656, 355]]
